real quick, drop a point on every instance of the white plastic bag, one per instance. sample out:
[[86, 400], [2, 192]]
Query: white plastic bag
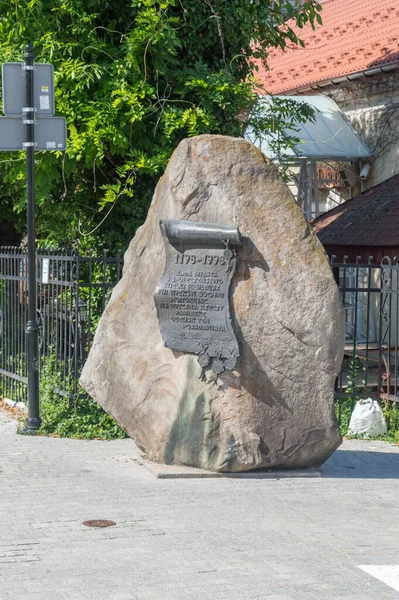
[[367, 419]]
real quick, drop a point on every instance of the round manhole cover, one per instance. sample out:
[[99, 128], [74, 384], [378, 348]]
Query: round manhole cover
[[99, 523]]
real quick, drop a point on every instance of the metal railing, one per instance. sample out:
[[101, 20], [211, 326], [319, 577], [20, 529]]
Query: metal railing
[[370, 294], [72, 291]]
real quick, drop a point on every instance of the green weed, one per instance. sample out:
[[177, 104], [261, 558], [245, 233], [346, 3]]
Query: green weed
[[74, 417]]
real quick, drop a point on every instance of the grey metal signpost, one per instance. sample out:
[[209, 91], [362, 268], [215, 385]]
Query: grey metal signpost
[[28, 92]]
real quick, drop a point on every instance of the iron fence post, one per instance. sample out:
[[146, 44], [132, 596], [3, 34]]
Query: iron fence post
[[32, 327]]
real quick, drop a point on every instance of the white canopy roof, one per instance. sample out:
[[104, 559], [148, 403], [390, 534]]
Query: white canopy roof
[[330, 136]]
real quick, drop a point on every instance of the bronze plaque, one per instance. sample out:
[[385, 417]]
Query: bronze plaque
[[192, 297]]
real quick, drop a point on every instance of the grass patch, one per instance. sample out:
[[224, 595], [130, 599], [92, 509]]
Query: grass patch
[[85, 420], [81, 418]]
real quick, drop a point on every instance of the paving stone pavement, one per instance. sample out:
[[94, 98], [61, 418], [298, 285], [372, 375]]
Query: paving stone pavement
[[190, 539]]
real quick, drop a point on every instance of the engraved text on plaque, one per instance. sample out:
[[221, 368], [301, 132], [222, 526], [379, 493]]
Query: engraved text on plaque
[[192, 297]]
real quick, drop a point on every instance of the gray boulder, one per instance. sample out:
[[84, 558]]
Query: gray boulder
[[276, 409]]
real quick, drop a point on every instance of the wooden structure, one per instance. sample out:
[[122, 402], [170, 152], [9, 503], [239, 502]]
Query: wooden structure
[[367, 225]]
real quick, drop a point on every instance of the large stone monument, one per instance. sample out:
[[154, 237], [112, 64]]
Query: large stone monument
[[220, 345]]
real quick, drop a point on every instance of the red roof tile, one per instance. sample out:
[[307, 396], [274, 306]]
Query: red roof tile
[[356, 35], [369, 219]]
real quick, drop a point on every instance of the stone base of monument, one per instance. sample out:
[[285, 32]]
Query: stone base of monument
[[161, 471]]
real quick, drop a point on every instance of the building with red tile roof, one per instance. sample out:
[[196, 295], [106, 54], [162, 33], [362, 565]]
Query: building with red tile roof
[[353, 58], [357, 38]]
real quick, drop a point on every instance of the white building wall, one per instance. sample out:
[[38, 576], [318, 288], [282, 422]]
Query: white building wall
[[372, 106]]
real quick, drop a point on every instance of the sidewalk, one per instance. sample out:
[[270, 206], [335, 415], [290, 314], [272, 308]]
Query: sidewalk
[[191, 539]]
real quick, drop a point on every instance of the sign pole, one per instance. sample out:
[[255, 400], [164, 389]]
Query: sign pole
[[32, 327]]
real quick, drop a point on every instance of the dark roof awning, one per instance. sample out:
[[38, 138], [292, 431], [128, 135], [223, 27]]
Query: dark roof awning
[[369, 219]]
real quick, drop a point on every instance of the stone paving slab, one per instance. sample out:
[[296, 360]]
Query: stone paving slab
[[183, 472], [191, 539]]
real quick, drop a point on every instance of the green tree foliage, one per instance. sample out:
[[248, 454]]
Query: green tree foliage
[[133, 78]]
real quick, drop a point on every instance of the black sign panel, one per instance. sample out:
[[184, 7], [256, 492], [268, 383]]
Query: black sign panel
[[192, 297]]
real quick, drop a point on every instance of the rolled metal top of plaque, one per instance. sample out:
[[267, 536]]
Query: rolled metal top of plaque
[[194, 231], [192, 297]]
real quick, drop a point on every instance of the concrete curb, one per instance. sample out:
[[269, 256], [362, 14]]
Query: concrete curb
[[19, 405]]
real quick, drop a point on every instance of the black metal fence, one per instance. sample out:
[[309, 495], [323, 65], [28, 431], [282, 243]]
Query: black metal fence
[[72, 292], [370, 294]]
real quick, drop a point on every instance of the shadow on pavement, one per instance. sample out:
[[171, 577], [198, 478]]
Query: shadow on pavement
[[356, 464]]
